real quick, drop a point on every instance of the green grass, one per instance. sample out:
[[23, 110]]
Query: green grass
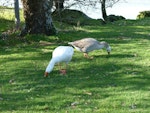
[[118, 83]]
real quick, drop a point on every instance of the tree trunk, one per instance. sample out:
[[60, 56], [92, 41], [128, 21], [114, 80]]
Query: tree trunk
[[17, 16], [103, 8], [37, 14], [59, 4]]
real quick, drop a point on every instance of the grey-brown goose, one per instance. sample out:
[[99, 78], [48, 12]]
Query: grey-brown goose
[[86, 45]]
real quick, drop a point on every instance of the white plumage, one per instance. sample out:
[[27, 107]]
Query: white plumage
[[60, 54]]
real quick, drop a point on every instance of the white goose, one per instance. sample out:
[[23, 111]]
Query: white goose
[[89, 44], [60, 54]]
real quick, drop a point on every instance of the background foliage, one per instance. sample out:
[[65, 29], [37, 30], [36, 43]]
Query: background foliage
[[143, 14]]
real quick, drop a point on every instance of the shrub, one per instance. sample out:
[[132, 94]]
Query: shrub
[[143, 14], [112, 18]]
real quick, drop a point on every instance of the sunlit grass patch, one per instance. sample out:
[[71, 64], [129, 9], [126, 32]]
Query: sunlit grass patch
[[115, 83]]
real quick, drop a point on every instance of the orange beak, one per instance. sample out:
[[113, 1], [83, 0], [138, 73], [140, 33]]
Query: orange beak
[[46, 74]]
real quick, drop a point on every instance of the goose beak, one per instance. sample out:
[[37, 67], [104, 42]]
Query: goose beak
[[46, 74]]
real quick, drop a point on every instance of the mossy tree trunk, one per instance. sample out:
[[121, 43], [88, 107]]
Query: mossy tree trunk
[[37, 15]]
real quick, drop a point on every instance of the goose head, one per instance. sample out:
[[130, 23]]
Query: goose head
[[46, 74], [108, 49], [107, 46]]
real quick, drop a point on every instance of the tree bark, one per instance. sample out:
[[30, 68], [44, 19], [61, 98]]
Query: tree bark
[[17, 15], [37, 15], [59, 4], [103, 8]]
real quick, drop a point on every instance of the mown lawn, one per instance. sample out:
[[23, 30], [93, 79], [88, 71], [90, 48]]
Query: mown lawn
[[118, 83]]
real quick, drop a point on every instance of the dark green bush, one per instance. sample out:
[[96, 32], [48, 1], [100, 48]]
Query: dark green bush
[[112, 18], [143, 14]]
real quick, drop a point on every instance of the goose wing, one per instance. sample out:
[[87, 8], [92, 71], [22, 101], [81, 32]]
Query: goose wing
[[85, 45]]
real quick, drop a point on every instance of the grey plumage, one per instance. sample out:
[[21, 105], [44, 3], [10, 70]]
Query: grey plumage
[[86, 45]]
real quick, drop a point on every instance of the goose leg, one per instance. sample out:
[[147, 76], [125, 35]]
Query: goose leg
[[87, 56], [63, 71]]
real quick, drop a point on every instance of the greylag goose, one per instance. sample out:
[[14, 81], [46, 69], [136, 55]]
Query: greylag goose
[[86, 45], [60, 54]]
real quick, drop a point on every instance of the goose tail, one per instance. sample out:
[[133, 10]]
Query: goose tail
[[70, 43]]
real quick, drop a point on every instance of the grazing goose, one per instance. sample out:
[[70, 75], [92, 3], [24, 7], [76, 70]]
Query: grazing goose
[[60, 54], [89, 44]]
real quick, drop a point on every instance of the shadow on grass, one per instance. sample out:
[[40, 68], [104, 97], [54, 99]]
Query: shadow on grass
[[87, 80], [31, 91]]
